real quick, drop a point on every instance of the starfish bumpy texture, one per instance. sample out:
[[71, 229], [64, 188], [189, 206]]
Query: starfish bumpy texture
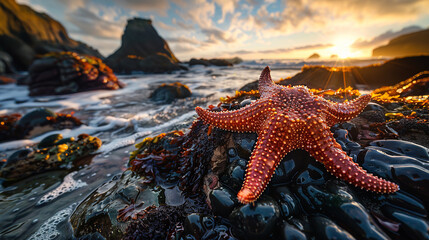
[[288, 118]]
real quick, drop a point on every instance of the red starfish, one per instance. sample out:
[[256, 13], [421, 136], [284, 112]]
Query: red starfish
[[288, 118]]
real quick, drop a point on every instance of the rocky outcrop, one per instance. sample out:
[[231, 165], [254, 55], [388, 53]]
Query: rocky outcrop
[[69, 72], [314, 56], [215, 61], [143, 50], [406, 45], [389, 73], [24, 33], [167, 93]]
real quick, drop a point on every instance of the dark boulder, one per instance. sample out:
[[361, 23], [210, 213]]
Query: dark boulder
[[167, 93], [69, 72], [143, 50], [24, 33], [215, 61]]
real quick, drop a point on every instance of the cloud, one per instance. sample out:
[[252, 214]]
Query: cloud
[[383, 38], [215, 35], [182, 24], [311, 15], [159, 6], [284, 50], [227, 6], [182, 40], [88, 23]]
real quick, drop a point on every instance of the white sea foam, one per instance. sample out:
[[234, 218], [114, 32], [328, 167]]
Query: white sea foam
[[48, 230], [68, 185], [126, 141]]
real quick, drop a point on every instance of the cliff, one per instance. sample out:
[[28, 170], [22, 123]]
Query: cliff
[[24, 33], [411, 44]]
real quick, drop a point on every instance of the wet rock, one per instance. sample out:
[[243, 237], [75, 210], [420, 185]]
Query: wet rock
[[6, 80], [167, 93], [6, 63], [289, 205], [7, 126], [398, 147], [143, 50], [327, 230], [255, 222], [208, 62], [69, 72], [99, 211], [27, 33], [340, 206], [411, 226], [411, 174], [43, 120], [223, 201], [404, 201], [25, 163], [291, 232], [343, 138], [197, 226]]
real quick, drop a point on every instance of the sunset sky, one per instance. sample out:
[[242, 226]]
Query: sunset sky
[[250, 29]]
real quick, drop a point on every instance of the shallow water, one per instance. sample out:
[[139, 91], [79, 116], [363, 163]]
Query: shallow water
[[39, 207]]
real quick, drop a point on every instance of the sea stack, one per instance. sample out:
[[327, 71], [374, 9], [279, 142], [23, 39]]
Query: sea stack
[[142, 50]]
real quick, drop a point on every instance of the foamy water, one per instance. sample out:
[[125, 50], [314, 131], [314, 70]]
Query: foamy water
[[38, 207]]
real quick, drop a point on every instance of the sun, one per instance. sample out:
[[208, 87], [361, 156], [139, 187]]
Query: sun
[[342, 48]]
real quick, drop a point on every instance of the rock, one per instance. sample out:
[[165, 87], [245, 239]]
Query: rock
[[24, 33], [291, 232], [328, 230], [99, 211], [69, 72], [334, 56], [255, 222], [410, 44], [6, 80], [34, 123], [143, 50], [223, 201], [6, 63], [340, 206], [25, 163], [215, 61], [167, 93], [314, 56]]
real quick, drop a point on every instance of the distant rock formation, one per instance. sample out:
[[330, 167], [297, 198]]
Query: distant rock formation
[[25, 33], [374, 76], [215, 61], [314, 56], [142, 50], [411, 44], [334, 56]]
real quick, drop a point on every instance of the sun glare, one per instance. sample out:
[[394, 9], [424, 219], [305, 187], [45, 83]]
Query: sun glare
[[342, 48]]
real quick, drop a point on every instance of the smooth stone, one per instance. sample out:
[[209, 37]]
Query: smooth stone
[[326, 229], [223, 201], [257, 220]]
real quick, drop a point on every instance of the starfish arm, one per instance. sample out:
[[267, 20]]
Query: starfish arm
[[265, 83], [341, 112], [274, 142], [246, 119], [339, 164]]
